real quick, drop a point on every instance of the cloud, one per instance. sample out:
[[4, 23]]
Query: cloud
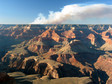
[[75, 12]]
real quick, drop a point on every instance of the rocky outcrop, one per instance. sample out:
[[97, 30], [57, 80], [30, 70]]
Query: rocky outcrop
[[68, 34], [14, 57], [48, 67], [91, 37], [104, 63], [38, 45], [107, 37], [51, 34], [41, 66]]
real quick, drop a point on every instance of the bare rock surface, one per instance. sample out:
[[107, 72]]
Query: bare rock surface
[[22, 78], [67, 80]]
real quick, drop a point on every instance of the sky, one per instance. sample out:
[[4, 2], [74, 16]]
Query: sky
[[55, 11]]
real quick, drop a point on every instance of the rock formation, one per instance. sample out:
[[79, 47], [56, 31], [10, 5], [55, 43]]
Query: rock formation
[[57, 51]]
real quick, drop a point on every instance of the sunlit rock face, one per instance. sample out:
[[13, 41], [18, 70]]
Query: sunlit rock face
[[103, 61], [57, 51], [69, 34]]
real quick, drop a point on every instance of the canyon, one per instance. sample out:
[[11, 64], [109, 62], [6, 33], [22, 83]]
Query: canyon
[[56, 53]]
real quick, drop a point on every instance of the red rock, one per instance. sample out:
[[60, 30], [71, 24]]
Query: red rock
[[51, 34], [69, 34], [105, 64], [106, 37], [92, 38]]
